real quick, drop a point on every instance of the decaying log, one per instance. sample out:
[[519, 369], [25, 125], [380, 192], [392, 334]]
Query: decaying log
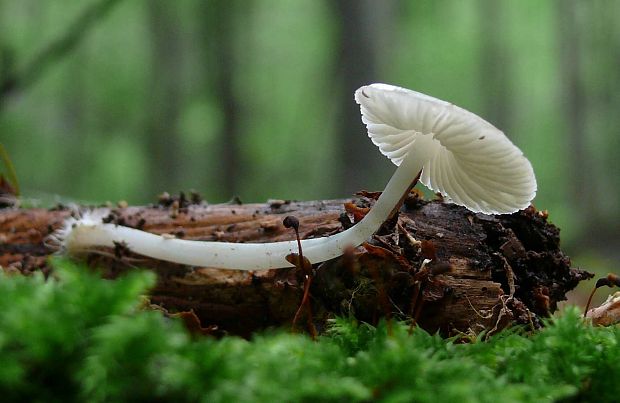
[[485, 272]]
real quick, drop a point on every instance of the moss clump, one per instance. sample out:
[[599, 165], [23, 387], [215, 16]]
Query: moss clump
[[80, 337]]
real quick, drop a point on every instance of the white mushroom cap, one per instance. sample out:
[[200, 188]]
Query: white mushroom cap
[[470, 162]]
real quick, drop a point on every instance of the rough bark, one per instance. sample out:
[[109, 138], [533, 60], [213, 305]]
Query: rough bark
[[486, 272]]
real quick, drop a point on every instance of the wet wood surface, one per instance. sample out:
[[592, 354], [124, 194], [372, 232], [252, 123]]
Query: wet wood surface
[[485, 272]]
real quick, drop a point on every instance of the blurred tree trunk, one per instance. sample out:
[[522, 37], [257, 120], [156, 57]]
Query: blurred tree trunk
[[495, 65], [361, 25], [74, 102], [603, 82], [218, 35], [573, 100], [161, 127], [599, 80], [611, 101]]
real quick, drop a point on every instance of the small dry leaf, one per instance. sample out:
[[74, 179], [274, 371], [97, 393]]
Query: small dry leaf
[[358, 212], [428, 250], [608, 313], [293, 259], [192, 323], [386, 254], [370, 195]]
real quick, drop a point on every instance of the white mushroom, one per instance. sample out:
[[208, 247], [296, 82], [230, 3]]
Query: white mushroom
[[454, 152], [462, 156]]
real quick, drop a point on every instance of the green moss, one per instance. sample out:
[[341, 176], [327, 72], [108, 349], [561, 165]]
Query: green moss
[[79, 337]]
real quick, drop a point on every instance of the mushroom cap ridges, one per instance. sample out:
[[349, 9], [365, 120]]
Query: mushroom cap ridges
[[471, 162]]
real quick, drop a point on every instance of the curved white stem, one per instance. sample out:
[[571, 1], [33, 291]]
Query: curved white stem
[[84, 235]]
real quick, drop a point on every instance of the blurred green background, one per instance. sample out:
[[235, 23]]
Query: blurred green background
[[123, 99]]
